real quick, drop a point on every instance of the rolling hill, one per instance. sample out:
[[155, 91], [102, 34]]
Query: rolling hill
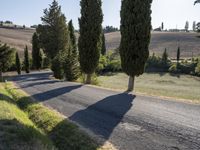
[[188, 42]]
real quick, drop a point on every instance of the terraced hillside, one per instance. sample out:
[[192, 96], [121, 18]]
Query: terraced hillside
[[189, 42]]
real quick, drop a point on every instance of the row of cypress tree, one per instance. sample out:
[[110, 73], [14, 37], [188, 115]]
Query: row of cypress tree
[[58, 41], [26, 62]]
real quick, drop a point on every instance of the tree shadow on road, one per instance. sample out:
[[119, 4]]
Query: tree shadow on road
[[40, 83], [102, 117], [55, 92]]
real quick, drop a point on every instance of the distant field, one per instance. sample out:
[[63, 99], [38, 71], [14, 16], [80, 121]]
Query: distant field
[[183, 86], [189, 42], [17, 38]]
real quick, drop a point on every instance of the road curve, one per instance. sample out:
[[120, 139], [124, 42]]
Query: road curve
[[129, 122]]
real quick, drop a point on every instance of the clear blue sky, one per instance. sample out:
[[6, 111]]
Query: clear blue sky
[[172, 12]]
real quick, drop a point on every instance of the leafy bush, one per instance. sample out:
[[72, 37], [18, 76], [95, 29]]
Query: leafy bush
[[155, 64], [187, 68], [114, 66], [57, 66], [197, 69], [173, 68]]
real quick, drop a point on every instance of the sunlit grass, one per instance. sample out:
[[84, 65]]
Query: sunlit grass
[[182, 87]]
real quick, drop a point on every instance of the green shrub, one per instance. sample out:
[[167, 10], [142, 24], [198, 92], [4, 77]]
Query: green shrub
[[114, 66], [57, 66], [197, 69], [187, 68], [173, 68], [46, 63], [156, 64]]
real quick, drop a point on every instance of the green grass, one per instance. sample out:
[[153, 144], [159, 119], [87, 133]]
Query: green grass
[[17, 131], [64, 134], [182, 87]]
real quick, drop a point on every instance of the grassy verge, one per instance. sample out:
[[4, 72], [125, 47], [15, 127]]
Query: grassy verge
[[181, 87], [16, 130], [65, 135]]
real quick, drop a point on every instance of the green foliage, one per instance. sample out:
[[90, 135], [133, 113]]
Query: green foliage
[[36, 53], [18, 64], [71, 67], [6, 57], [162, 26], [178, 54], [90, 35], [156, 64], [109, 29], [58, 44], [197, 69], [103, 47], [173, 68], [183, 68], [108, 63], [57, 66], [53, 33], [46, 62], [17, 129], [114, 66], [103, 62], [135, 31], [165, 56], [26, 60]]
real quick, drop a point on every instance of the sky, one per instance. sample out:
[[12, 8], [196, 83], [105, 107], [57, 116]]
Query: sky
[[174, 13]]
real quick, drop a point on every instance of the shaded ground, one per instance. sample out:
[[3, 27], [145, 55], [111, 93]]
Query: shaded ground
[[127, 121]]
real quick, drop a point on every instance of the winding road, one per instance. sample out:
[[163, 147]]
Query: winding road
[[129, 122]]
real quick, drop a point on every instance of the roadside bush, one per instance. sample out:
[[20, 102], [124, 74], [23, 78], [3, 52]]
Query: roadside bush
[[57, 66], [103, 62], [197, 69], [46, 63], [187, 68], [114, 66], [109, 63], [173, 69], [156, 64]]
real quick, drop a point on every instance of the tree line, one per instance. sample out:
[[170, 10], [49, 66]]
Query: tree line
[[56, 38]]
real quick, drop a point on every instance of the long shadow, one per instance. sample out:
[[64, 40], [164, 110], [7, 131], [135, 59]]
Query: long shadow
[[102, 117], [34, 77], [55, 92], [39, 83], [14, 133]]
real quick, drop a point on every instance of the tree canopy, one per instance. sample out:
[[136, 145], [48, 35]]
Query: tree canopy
[[90, 35], [135, 30]]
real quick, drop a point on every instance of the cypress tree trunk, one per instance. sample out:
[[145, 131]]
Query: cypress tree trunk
[[131, 84], [88, 79]]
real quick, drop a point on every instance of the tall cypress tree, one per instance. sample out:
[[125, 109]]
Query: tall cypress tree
[[71, 60], [36, 54], [54, 36], [165, 57], [18, 63], [178, 55], [26, 60], [103, 47], [135, 31], [6, 58], [90, 36]]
